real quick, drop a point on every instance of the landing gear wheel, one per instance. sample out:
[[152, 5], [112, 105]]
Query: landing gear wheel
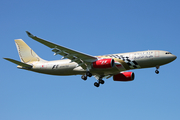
[[96, 84], [88, 74], [84, 77], [101, 81], [157, 71]]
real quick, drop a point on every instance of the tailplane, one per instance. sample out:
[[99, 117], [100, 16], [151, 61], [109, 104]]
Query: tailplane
[[26, 54], [21, 65]]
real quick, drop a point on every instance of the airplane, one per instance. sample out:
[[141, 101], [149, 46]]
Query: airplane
[[77, 63]]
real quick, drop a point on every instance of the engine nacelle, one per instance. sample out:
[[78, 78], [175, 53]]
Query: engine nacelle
[[124, 76], [103, 63]]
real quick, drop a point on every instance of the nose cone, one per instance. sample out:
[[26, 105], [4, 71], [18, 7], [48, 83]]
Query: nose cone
[[171, 58]]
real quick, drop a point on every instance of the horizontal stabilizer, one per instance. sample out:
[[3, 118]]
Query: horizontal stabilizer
[[19, 63]]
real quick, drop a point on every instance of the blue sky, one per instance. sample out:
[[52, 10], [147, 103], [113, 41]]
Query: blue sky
[[94, 27]]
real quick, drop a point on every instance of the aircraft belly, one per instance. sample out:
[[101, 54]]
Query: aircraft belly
[[146, 63], [105, 71]]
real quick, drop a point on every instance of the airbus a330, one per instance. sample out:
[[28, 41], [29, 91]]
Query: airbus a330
[[77, 63]]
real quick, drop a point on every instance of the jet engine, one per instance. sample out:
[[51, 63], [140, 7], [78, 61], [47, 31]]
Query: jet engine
[[124, 76], [103, 63]]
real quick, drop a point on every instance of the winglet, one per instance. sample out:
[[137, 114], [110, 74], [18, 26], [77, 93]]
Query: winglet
[[29, 34], [21, 64]]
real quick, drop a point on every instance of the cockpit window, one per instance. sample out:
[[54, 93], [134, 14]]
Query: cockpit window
[[168, 53]]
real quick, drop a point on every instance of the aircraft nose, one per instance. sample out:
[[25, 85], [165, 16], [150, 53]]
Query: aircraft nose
[[173, 57]]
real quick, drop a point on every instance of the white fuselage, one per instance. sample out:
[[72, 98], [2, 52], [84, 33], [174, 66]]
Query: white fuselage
[[127, 61]]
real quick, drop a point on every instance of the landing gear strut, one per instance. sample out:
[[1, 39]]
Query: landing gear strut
[[157, 71]]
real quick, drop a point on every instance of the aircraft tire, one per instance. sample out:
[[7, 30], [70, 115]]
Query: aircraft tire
[[96, 84], [88, 74], [84, 77], [157, 71], [101, 81]]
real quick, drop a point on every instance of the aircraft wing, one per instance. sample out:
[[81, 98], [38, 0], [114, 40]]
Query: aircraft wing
[[75, 56]]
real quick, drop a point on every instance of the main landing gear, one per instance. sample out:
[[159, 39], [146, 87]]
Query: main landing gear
[[100, 81], [88, 74], [157, 71]]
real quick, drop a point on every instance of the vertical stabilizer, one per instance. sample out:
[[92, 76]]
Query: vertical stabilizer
[[26, 54]]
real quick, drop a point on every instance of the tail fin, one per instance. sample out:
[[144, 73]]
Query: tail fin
[[26, 54]]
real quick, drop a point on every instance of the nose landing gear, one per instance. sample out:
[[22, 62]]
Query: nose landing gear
[[157, 71]]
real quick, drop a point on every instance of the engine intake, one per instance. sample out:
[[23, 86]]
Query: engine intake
[[103, 63], [124, 76]]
